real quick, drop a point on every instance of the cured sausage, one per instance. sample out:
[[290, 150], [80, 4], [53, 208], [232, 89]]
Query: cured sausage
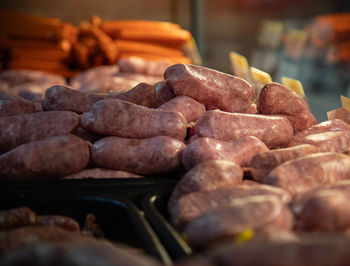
[[208, 175], [21, 129], [263, 163], [192, 205], [216, 90], [188, 107], [310, 171], [50, 158], [250, 212], [141, 156], [239, 151], [276, 99], [272, 130], [124, 119]]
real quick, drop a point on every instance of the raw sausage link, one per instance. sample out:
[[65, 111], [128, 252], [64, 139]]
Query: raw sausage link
[[11, 105], [124, 119], [101, 173], [64, 222], [188, 107], [208, 175], [18, 217], [192, 205], [250, 212], [49, 158], [142, 156], [274, 98], [21, 129], [240, 151], [272, 130], [216, 90], [310, 171], [336, 141], [263, 163]]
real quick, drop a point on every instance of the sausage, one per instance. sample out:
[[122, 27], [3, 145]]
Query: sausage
[[276, 99], [326, 126], [12, 105], [87, 135], [216, 90], [337, 141], [50, 158], [310, 171], [139, 65], [320, 251], [188, 107], [101, 173], [208, 175], [239, 151], [272, 130], [263, 163], [21, 129], [124, 119], [141, 156], [64, 222], [18, 217], [192, 205], [142, 94], [61, 98], [164, 91], [250, 212]]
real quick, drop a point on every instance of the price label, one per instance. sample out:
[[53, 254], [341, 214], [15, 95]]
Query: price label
[[240, 66], [294, 85]]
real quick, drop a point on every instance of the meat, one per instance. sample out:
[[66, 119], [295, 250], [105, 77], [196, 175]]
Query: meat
[[239, 151], [64, 222], [325, 209], [49, 158], [17, 217], [61, 98], [263, 163], [142, 94], [164, 91], [52, 246], [192, 205], [11, 105], [328, 250], [332, 141], [272, 130], [124, 119], [87, 135], [208, 175], [141, 156], [188, 107], [326, 126], [250, 212], [101, 173], [276, 99], [21, 129], [216, 90], [310, 171], [138, 65]]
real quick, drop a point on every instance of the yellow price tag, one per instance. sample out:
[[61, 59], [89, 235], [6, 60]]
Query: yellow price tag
[[191, 50], [244, 236], [294, 85], [260, 76], [345, 102], [238, 61]]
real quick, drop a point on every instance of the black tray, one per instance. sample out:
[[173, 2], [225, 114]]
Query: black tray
[[130, 188], [155, 207], [120, 220]]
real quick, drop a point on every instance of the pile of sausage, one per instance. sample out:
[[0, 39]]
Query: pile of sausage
[[203, 123], [30, 239]]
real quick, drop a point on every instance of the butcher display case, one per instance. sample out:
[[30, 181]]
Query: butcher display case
[[175, 132]]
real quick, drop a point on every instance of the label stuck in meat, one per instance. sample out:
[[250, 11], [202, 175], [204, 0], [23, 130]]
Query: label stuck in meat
[[260, 78], [294, 85], [345, 102], [240, 66]]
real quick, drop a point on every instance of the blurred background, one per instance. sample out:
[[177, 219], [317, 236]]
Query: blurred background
[[299, 39]]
